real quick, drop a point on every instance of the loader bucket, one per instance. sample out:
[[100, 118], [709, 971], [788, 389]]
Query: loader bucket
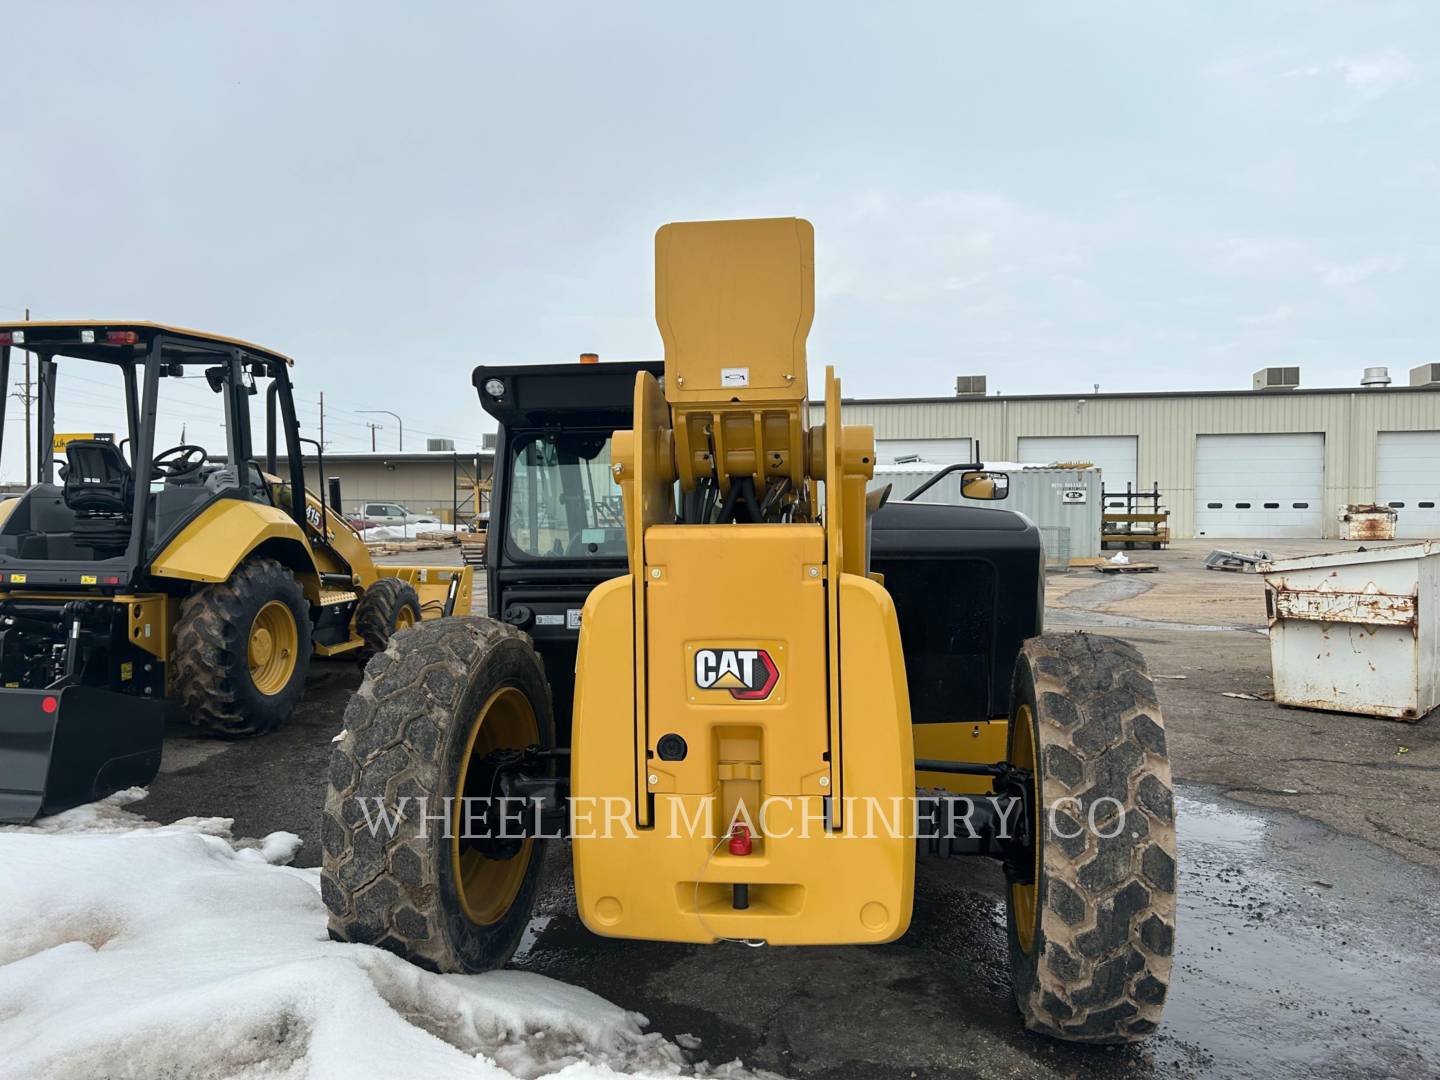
[[61, 748]]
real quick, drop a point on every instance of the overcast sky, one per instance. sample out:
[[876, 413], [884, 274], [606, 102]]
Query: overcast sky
[[1145, 195]]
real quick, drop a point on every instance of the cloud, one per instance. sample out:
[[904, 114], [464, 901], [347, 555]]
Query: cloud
[[1369, 77], [1280, 313], [1375, 75], [1343, 275], [1255, 256]]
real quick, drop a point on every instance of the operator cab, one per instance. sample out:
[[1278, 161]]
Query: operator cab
[[103, 504]]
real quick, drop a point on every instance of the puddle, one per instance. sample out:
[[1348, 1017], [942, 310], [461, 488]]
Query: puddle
[[187, 753], [1079, 608], [1110, 590], [528, 939], [1061, 616], [1292, 957], [1207, 825]]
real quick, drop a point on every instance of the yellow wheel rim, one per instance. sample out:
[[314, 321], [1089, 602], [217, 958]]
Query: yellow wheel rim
[[404, 618], [274, 641], [1023, 897], [487, 886]]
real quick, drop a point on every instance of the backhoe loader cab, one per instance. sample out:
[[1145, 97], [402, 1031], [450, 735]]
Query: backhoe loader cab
[[140, 579], [786, 691]]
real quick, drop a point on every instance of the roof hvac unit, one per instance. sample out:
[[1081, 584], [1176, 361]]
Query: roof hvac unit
[[489, 440], [1277, 378], [1425, 375], [439, 444], [970, 386]]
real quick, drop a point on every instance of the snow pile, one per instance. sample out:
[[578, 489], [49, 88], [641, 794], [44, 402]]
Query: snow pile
[[133, 949]]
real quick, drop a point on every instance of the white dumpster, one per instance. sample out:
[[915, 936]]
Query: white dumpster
[[1357, 631]]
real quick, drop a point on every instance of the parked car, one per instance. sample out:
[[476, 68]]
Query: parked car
[[392, 514]]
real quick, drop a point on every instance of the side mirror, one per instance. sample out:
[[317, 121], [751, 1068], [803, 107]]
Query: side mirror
[[985, 485]]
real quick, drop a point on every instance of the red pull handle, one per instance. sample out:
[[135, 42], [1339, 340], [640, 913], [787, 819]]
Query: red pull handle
[[740, 840]]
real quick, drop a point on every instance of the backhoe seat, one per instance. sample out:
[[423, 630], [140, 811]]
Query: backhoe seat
[[99, 486]]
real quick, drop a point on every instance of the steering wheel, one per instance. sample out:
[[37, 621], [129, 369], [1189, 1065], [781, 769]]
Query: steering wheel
[[178, 461]]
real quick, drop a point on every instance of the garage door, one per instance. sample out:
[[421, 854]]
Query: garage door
[[1259, 485], [935, 451], [1407, 477], [1115, 454]]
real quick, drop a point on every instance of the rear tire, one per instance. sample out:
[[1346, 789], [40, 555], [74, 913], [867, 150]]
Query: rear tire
[[1091, 947], [242, 648], [436, 699], [387, 607]]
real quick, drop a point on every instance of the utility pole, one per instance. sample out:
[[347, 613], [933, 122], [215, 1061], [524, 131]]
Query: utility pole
[[373, 428], [29, 448], [26, 397], [387, 412], [322, 420]]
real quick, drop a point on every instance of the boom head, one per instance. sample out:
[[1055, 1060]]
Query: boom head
[[734, 301]]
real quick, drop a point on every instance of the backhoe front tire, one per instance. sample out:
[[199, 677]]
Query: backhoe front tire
[[387, 607], [1091, 944], [242, 648], [396, 871]]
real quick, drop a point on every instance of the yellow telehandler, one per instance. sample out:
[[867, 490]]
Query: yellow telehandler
[[748, 690]]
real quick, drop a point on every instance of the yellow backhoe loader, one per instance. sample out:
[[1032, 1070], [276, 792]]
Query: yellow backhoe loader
[[751, 692], [142, 583]]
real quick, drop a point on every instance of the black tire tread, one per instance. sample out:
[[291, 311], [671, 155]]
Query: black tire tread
[[386, 891], [378, 609], [209, 632], [1105, 949]]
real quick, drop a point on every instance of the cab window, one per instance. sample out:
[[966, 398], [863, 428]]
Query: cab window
[[564, 502]]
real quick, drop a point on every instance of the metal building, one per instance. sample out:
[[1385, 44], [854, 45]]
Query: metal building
[[1278, 461], [439, 483]]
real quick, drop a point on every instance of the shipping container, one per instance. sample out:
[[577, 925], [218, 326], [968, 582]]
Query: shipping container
[[1064, 503]]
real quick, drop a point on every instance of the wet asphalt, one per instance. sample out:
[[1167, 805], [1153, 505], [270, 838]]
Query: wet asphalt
[[1300, 952], [1301, 949]]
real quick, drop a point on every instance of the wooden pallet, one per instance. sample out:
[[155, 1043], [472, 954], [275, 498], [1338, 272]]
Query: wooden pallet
[[472, 551], [1130, 543], [1155, 530], [399, 547], [1126, 568]]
